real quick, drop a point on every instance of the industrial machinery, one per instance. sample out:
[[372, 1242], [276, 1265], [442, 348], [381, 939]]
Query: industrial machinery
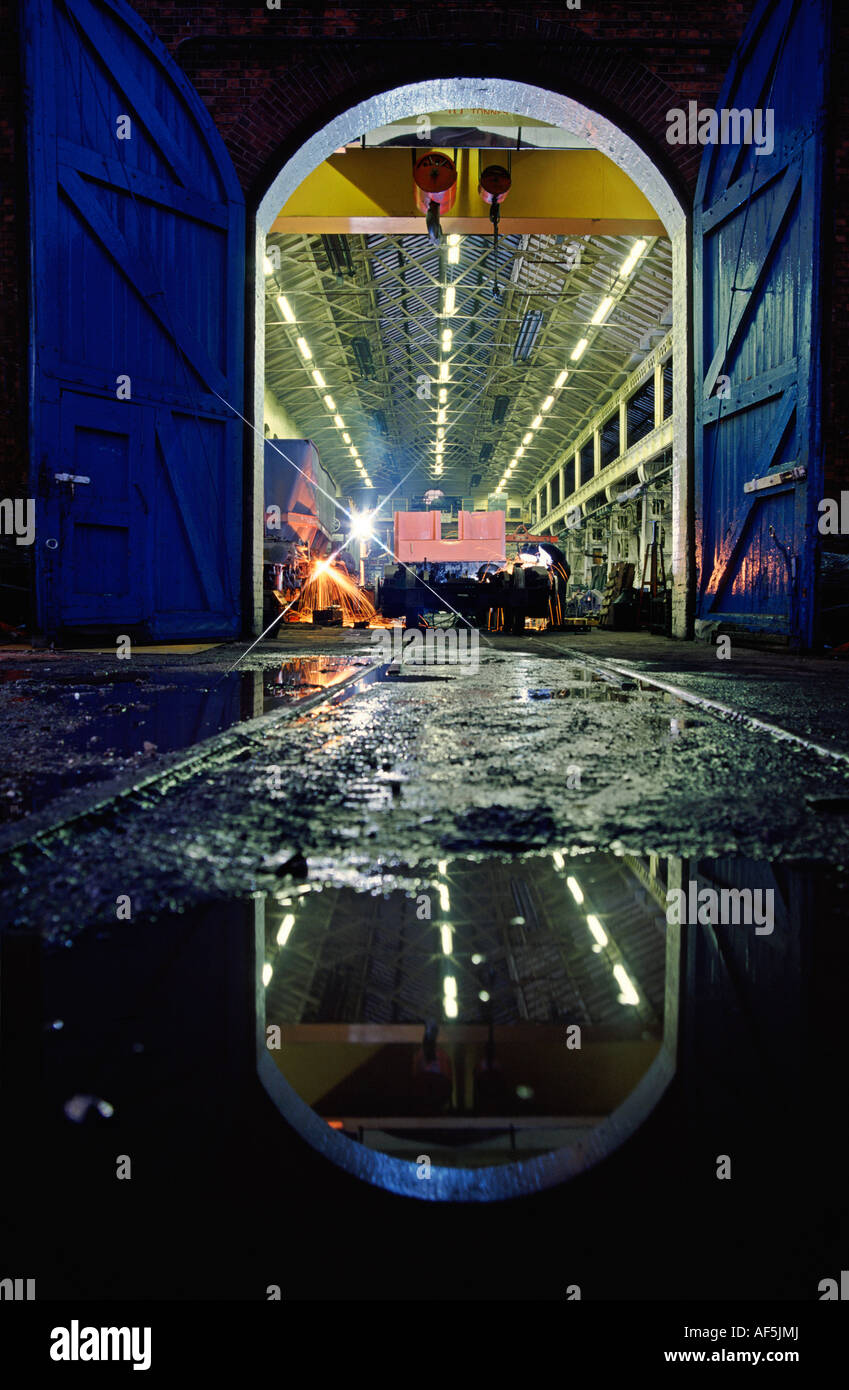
[[304, 577], [470, 576]]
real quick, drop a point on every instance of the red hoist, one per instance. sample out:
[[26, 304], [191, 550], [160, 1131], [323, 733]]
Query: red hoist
[[495, 184], [435, 177]]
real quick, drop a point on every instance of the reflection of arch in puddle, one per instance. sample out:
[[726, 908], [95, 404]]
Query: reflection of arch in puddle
[[349, 977]]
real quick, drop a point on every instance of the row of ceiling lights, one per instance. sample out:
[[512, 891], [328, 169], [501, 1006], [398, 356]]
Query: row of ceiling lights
[[448, 309], [576, 354], [317, 376], [447, 337]]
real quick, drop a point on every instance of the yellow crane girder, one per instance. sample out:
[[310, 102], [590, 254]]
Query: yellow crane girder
[[578, 192]]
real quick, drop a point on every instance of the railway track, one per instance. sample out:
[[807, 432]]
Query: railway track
[[45, 830]]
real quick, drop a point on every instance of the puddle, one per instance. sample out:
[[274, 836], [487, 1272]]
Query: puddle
[[488, 1010], [603, 691], [101, 726], [300, 677], [475, 1013]]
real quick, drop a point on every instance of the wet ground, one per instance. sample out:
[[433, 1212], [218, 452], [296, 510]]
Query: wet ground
[[317, 843], [68, 724], [533, 750]]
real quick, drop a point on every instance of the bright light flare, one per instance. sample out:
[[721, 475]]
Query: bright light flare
[[361, 527]]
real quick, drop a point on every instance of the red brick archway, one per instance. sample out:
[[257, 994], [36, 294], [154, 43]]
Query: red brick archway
[[270, 78]]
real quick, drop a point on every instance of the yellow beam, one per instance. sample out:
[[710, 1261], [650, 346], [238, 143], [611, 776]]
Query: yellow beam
[[557, 191]]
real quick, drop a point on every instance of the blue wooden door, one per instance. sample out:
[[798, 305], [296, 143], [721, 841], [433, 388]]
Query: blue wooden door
[[137, 315], [756, 254]]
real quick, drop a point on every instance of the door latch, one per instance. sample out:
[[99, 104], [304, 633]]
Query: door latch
[[72, 478]]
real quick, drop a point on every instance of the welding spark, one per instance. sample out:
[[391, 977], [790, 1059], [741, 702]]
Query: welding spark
[[338, 506]]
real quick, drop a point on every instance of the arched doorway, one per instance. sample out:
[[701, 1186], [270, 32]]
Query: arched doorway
[[536, 103]]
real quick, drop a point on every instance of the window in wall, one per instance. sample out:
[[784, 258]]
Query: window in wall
[[554, 489], [586, 461], [610, 440], [640, 412], [667, 389]]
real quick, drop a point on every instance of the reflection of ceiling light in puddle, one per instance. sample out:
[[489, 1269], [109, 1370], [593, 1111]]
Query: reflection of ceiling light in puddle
[[597, 930], [629, 995], [483, 996], [285, 927], [478, 959]]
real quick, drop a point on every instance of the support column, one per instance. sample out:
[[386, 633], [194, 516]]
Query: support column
[[658, 395]]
